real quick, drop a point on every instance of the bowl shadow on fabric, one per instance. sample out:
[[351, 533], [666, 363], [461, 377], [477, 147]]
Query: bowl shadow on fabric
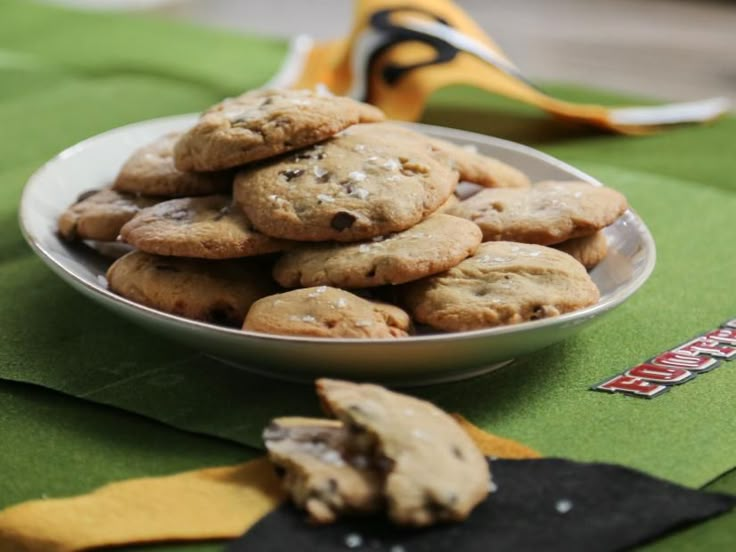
[[525, 129], [497, 395]]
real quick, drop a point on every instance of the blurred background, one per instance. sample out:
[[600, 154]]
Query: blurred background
[[668, 49]]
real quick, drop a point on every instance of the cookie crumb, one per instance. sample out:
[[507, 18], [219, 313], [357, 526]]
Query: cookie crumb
[[353, 540], [563, 505]]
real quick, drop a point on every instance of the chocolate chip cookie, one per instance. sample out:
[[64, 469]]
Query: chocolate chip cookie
[[264, 123], [481, 169], [503, 283], [326, 312], [435, 244], [588, 250], [320, 470], [207, 227], [433, 470], [150, 171], [99, 215], [368, 181], [547, 213], [220, 292]]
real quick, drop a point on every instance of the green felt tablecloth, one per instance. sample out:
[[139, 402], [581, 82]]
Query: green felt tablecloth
[[65, 76]]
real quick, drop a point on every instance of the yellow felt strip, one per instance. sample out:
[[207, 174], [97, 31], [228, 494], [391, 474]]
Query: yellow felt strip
[[195, 505], [494, 446], [213, 503]]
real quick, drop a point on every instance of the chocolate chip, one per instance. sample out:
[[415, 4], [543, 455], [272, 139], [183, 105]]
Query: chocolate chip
[[309, 154], [85, 195], [538, 313], [383, 463], [290, 174], [280, 471], [342, 220], [435, 509], [354, 428], [458, 453], [221, 213], [220, 316], [332, 484]]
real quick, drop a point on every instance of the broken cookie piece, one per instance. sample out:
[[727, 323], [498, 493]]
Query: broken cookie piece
[[433, 470], [321, 471]]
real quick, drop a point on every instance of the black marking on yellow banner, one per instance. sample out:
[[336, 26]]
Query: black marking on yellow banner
[[439, 37]]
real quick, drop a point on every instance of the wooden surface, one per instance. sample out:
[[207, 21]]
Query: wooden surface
[[670, 49]]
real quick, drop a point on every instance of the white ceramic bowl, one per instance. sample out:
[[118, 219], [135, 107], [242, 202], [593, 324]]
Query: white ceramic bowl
[[422, 359]]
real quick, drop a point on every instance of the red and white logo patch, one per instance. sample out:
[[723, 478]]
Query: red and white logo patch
[[676, 366]]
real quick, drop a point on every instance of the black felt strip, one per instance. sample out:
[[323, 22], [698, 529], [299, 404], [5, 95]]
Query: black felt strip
[[540, 505]]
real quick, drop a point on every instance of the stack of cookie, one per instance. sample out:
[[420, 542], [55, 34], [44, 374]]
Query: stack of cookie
[[277, 189]]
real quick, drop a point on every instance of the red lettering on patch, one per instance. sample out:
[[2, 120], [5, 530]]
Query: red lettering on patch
[[685, 360], [632, 385], [678, 365], [723, 335], [660, 374], [704, 346]]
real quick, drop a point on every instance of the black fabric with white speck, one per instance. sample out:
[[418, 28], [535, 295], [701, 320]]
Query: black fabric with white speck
[[540, 505]]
